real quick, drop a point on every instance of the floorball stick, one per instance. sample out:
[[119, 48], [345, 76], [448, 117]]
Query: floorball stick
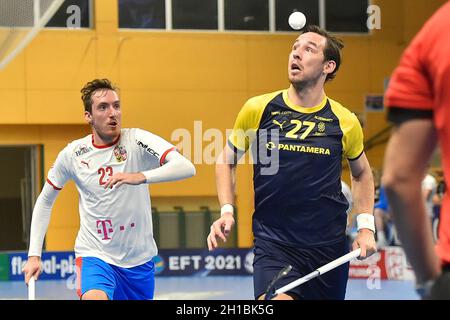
[[32, 289], [270, 293]]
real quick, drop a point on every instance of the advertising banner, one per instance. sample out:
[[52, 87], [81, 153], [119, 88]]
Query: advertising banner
[[388, 263]]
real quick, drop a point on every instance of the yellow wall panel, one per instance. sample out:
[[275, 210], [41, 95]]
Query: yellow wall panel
[[384, 56], [391, 13], [107, 59], [353, 74], [65, 210], [60, 60], [177, 62], [64, 215], [376, 121], [61, 238], [54, 106], [267, 62], [13, 75], [106, 10], [392, 26], [19, 134], [188, 203], [245, 203], [351, 99], [61, 135], [202, 183], [376, 156], [203, 124], [12, 106], [416, 13], [179, 109]]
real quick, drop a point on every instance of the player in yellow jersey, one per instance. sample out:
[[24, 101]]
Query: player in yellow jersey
[[300, 211]]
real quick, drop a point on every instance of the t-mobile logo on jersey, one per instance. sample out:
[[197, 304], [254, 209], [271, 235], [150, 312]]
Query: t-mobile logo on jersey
[[104, 227]]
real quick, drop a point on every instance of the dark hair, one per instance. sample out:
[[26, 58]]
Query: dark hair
[[91, 87], [332, 50]]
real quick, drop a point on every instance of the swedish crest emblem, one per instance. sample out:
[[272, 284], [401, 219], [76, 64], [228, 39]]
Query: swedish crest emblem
[[321, 127], [120, 153]]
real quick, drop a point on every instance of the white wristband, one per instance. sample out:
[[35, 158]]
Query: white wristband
[[365, 221], [226, 208]]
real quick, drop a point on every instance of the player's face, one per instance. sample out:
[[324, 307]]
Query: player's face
[[106, 117], [306, 61]]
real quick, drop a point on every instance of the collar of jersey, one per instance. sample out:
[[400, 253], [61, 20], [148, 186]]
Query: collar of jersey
[[105, 145], [303, 109]]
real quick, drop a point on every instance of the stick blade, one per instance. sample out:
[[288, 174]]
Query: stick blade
[[270, 292]]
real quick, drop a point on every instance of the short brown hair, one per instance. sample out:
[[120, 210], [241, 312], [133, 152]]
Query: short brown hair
[[91, 87], [332, 50]]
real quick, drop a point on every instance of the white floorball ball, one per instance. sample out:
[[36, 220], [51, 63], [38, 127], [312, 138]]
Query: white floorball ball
[[297, 20]]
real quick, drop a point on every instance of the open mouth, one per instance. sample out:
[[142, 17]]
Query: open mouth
[[112, 124], [295, 67]]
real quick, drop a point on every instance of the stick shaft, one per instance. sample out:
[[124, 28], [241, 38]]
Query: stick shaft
[[32, 289], [329, 266]]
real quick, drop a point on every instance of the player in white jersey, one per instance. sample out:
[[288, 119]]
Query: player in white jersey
[[111, 169]]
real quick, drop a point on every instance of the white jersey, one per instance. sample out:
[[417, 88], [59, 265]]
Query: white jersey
[[429, 183], [115, 224]]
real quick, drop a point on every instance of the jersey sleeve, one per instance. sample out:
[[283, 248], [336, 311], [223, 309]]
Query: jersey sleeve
[[60, 173], [246, 125], [410, 92], [153, 147], [409, 86], [353, 138]]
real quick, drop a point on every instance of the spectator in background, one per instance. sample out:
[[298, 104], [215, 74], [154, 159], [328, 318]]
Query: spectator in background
[[382, 218], [386, 232], [437, 203], [347, 191]]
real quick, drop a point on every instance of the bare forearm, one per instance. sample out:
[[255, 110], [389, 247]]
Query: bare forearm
[[413, 228], [363, 192], [407, 154], [379, 222], [225, 183], [362, 185]]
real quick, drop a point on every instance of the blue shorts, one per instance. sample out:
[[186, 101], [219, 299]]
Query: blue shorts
[[271, 258], [137, 283]]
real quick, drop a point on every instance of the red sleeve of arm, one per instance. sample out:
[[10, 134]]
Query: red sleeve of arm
[[410, 85]]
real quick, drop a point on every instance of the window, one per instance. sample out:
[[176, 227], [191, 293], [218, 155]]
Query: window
[[284, 8], [346, 15], [65, 14], [247, 15], [16, 14], [144, 14], [250, 15], [194, 14]]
